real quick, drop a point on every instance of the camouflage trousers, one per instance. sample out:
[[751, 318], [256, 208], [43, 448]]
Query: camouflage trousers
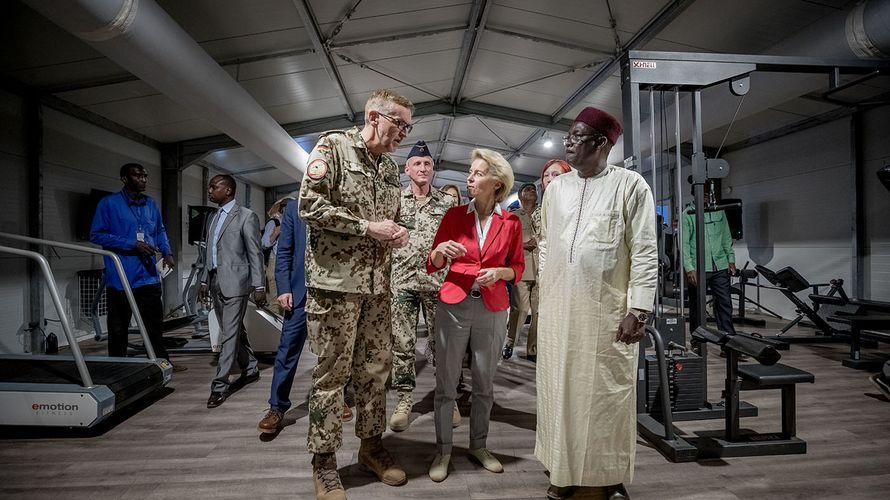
[[405, 309], [523, 300], [352, 336]]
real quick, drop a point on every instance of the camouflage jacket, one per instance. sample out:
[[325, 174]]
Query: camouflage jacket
[[343, 190], [529, 231], [422, 222]]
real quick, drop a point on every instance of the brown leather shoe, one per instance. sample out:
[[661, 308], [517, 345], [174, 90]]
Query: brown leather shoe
[[373, 456], [271, 423], [347, 414], [616, 492], [327, 480]]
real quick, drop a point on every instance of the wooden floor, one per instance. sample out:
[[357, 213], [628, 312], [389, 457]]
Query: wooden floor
[[177, 448]]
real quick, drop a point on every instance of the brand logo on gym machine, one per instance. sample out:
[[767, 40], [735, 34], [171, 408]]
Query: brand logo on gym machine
[[54, 408], [643, 65]]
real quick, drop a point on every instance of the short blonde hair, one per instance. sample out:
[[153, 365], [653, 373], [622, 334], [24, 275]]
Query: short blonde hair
[[383, 100], [499, 167]]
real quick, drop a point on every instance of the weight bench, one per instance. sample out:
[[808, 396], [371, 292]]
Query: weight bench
[[784, 378], [768, 374], [788, 281]]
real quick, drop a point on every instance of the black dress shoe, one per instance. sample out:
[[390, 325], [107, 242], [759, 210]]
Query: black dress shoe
[[532, 357], [560, 492], [216, 399], [617, 492], [249, 379], [508, 351]]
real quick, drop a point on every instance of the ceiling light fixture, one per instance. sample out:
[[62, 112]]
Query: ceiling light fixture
[[547, 142]]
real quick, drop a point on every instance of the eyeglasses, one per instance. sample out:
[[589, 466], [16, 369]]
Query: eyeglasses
[[570, 140], [404, 127]]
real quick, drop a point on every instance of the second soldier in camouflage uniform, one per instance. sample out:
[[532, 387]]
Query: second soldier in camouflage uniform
[[350, 201], [422, 209]]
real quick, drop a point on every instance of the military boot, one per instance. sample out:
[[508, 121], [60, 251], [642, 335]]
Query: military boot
[[373, 456], [327, 480], [400, 419]]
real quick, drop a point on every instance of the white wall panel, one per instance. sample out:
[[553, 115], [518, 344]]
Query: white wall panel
[[78, 157], [876, 154], [796, 192]]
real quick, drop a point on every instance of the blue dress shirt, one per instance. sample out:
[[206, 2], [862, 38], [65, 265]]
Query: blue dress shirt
[[116, 223]]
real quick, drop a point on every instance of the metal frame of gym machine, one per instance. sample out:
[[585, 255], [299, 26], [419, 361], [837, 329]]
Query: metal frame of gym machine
[[691, 73], [57, 399]]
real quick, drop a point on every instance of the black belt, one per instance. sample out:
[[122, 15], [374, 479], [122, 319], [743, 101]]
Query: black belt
[[475, 293]]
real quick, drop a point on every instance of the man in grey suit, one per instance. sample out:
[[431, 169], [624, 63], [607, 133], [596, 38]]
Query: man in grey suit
[[233, 268]]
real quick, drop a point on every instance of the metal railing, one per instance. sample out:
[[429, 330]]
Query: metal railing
[[149, 350], [85, 377]]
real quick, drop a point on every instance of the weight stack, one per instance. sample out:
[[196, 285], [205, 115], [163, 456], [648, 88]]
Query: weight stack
[[685, 384]]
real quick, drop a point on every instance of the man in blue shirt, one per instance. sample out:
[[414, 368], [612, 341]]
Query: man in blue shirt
[[129, 224]]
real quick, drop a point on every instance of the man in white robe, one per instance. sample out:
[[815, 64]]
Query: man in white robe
[[598, 277]]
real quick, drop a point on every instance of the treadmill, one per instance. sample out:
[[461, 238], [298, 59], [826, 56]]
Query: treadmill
[[75, 391]]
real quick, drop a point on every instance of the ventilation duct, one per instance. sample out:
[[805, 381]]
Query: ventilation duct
[[141, 37]]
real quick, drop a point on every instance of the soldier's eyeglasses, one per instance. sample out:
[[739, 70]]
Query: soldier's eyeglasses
[[404, 127]]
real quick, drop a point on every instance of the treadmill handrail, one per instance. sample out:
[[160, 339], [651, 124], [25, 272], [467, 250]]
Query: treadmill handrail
[[149, 350], [81, 364]]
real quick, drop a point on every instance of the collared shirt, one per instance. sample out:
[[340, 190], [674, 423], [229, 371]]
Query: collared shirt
[[718, 241], [222, 213], [482, 232], [116, 227]]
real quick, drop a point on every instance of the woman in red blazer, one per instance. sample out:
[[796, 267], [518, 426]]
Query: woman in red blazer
[[482, 246]]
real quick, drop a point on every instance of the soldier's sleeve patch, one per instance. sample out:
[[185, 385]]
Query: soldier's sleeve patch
[[317, 169]]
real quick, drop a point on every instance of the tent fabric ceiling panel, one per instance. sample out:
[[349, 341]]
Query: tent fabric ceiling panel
[[474, 130], [373, 52], [241, 158], [143, 111], [173, 132], [109, 93], [539, 97], [741, 27], [288, 65], [381, 17], [285, 89], [578, 21], [228, 29], [514, 71], [307, 110]]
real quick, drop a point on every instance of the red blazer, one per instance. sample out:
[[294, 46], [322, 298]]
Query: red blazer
[[503, 248]]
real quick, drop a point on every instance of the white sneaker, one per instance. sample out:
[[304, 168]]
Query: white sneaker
[[455, 416], [439, 467], [487, 460], [400, 419]]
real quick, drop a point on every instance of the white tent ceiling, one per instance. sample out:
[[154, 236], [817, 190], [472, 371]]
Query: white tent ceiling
[[495, 73]]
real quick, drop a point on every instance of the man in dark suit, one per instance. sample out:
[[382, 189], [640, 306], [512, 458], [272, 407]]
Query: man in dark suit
[[234, 268], [290, 278]]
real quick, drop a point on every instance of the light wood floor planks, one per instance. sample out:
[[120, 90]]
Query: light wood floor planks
[[177, 448]]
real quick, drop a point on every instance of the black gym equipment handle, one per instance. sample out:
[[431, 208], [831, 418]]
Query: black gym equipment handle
[[663, 381]]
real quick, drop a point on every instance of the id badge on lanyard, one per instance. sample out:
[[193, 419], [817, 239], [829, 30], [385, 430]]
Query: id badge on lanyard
[[140, 234]]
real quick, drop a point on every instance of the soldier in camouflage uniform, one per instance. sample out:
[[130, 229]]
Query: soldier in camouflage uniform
[[350, 201], [525, 293], [422, 209]]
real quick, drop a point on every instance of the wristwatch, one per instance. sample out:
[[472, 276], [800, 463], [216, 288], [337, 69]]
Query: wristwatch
[[642, 316]]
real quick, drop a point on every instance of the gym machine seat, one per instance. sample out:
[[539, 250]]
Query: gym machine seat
[[769, 374], [784, 378]]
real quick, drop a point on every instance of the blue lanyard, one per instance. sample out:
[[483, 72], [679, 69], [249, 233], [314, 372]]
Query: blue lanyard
[[136, 216]]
